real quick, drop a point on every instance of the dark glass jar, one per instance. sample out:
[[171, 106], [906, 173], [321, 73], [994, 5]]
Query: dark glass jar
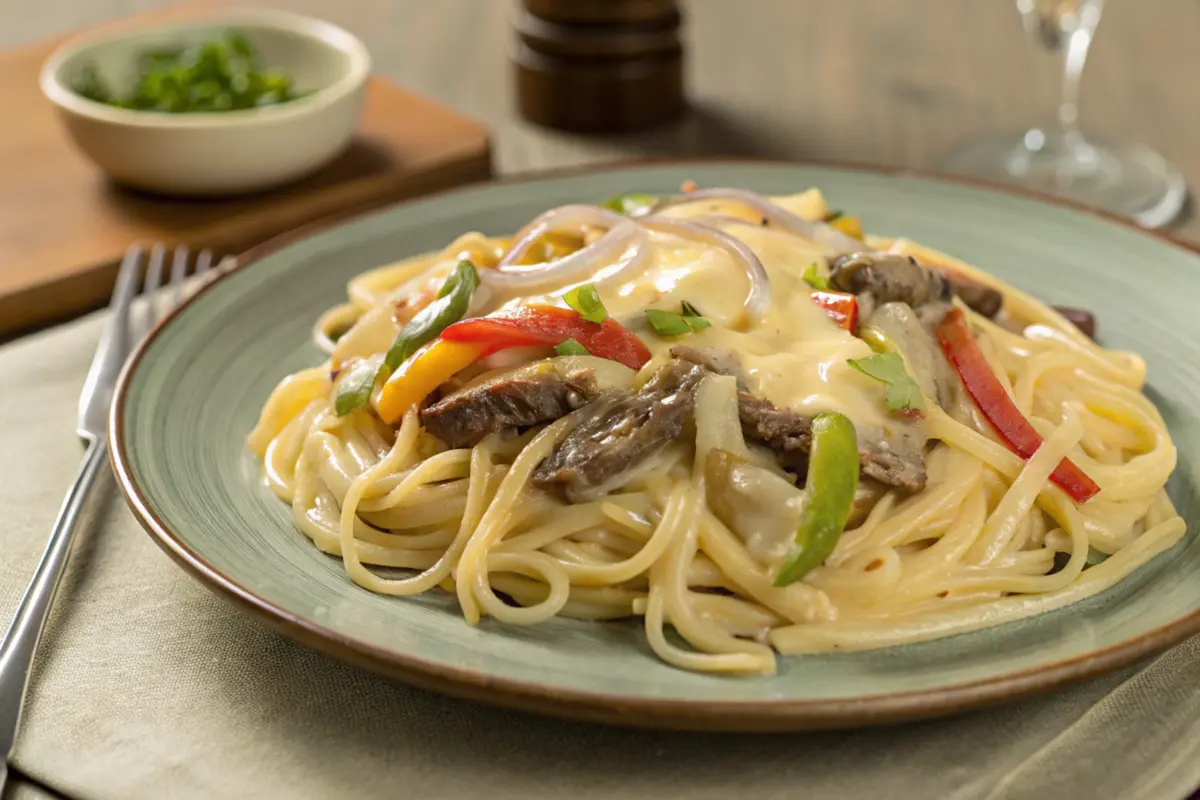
[[599, 66]]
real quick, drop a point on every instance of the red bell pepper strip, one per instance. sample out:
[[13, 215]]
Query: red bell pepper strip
[[842, 307], [550, 325], [1005, 418]]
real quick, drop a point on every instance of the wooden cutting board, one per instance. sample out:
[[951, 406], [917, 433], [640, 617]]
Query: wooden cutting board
[[63, 226]]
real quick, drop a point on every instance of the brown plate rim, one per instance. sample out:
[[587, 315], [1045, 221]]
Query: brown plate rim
[[677, 714]]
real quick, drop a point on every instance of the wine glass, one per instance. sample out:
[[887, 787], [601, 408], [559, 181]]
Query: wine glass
[[1127, 179]]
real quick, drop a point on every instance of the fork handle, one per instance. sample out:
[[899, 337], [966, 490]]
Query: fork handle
[[16, 653]]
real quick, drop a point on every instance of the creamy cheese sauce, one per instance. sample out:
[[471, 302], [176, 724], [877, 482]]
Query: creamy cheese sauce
[[796, 357]]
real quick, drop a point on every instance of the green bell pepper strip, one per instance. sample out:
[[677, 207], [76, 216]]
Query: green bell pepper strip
[[450, 306], [831, 485], [354, 385]]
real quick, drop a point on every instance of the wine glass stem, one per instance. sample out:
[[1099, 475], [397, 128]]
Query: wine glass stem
[[1078, 44], [1060, 32]]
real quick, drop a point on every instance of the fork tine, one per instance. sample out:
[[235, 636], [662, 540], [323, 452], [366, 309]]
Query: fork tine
[[141, 324], [178, 274], [204, 262], [150, 289], [122, 298]]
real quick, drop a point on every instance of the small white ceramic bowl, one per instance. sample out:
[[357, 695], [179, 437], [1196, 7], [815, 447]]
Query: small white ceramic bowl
[[218, 153]]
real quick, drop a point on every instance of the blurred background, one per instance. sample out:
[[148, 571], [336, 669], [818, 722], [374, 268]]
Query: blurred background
[[902, 83], [895, 82]]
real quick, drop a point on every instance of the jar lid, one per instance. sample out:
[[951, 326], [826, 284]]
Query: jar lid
[[658, 37], [601, 11]]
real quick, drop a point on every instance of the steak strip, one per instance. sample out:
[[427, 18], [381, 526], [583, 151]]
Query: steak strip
[[622, 430], [879, 278], [516, 399], [896, 462], [979, 298]]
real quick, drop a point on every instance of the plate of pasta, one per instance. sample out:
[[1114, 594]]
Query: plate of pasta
[[712, 445]]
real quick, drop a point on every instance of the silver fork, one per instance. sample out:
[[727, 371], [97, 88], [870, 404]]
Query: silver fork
[[125, 329]]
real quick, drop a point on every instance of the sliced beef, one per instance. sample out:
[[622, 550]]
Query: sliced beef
[[714, 359], [979, 298], [619, 431], [897, 460], [514, 399], [783, 430], [889, 277], [879, 278]]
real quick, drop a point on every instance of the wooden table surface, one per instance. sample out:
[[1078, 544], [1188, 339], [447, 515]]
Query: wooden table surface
[[895, 82]]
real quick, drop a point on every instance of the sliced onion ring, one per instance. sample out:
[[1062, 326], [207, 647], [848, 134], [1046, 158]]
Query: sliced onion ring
[[622, 247], [758, 299], [819, 232], [571, 217]]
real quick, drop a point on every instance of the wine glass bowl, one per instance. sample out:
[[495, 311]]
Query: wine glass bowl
[[1125, 178]]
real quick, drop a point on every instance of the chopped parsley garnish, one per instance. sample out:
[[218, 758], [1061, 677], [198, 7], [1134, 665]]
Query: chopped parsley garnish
[[224, 73], [669, 323], [586, 300], [571, 348], [813, 277], [692, 317], [902, 392], [633, 204]]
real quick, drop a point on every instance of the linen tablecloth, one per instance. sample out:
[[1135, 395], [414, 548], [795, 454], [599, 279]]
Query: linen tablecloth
[[148, 686]]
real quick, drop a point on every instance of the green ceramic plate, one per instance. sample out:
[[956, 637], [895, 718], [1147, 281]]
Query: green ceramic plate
[[195, 386]]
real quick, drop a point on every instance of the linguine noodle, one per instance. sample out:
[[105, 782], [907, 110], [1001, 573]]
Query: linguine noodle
[[989, 539]]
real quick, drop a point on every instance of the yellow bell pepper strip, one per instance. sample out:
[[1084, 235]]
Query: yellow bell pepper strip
[[420, 375], [451, 303], [997, 407], [467, 341], [831, 484], [851, 226]]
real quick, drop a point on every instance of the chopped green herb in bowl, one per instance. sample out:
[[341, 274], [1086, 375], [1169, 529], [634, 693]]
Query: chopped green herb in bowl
[[224, 74], [227, 103]]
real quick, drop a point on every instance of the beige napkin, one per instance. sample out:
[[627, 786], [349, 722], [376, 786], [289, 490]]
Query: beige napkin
[[148, 686], [20, 789]]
